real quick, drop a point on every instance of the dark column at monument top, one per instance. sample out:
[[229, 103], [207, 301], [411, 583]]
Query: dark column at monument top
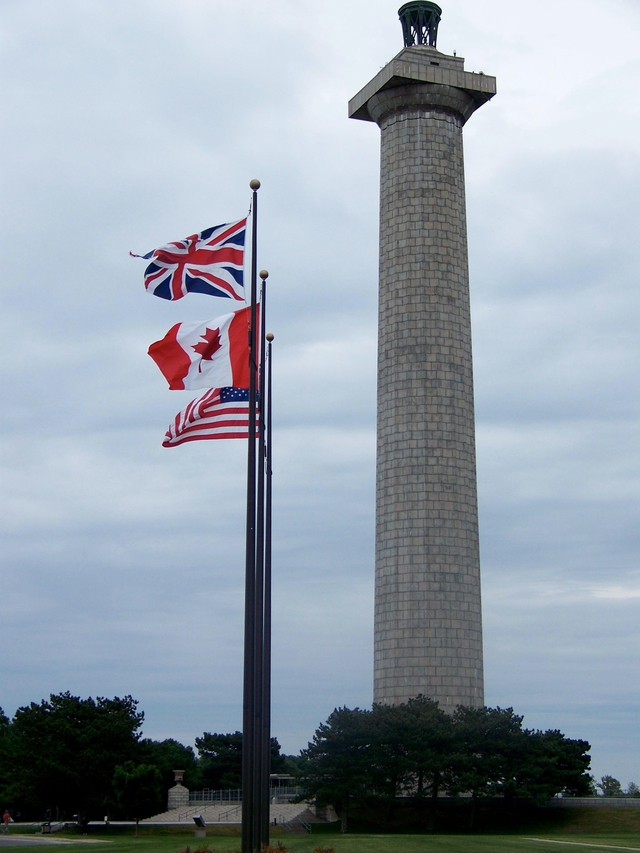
[[428, 622], [420, 23]]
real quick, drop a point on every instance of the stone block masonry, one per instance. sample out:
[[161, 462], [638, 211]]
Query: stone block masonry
[[428, 621]]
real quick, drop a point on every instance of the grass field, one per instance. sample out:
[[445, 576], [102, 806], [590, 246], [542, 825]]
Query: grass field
[[357, 843]]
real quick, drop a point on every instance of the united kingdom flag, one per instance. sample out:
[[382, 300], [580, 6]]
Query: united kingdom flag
[[210, 262]]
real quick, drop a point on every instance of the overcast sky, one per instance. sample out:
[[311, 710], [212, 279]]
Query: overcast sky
[[129, 123]]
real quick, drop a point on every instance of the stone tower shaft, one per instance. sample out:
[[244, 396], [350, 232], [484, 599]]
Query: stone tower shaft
[[428, 622]]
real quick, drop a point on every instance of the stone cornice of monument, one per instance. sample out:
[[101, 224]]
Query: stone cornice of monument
[[429, 77]]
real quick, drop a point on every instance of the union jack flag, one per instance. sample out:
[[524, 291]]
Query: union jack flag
[[210, 262]]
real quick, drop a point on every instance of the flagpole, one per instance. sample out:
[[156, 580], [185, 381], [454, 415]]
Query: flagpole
[[261, 796], [266, 685], [250, 843]]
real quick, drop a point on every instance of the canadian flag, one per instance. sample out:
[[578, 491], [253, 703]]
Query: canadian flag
[[214, 354]]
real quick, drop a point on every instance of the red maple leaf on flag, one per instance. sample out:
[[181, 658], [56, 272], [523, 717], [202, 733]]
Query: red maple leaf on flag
[[210, 345]]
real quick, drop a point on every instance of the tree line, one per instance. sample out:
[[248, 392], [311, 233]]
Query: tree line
[[67, 756], [415, 750], [609, 786]]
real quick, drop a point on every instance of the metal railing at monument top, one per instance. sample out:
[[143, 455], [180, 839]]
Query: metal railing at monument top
[[283, 794]]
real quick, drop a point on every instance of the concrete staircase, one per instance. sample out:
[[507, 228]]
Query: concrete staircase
[[282, 813]]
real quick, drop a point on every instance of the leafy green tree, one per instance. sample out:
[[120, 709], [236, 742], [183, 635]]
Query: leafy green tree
[[410, 746], [169, 755], [552, 764], [486, 745], [65, 750], [381, 754], [138, 790], [429, 742], [415, 748], [610, 787], [338, 763], [221, 759], [387, 752], [545, 764], [632, 790], [7, 789], [292, 765], [496, 756], [593, 790]]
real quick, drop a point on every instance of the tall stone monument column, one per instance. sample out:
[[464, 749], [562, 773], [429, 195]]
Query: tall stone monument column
[[428, 621]]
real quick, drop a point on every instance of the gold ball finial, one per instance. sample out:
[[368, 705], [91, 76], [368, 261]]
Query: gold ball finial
[[254, 184], [269, 337], [264, 274]]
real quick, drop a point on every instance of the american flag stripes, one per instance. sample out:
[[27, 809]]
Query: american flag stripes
[[210, 262], [219, 413]]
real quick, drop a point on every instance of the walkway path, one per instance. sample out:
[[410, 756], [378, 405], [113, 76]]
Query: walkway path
[[19, 840]]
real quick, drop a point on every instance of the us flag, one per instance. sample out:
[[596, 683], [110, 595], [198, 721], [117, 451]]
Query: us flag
[[219, 413], [210, 262]]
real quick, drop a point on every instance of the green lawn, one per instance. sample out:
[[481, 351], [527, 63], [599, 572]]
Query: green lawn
[[356, 843]]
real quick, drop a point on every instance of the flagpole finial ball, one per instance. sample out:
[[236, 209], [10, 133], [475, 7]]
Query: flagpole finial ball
[[254, 184], [264, 274], [270, 337]]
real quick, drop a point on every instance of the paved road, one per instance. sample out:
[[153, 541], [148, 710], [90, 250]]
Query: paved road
[[43, 841]]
